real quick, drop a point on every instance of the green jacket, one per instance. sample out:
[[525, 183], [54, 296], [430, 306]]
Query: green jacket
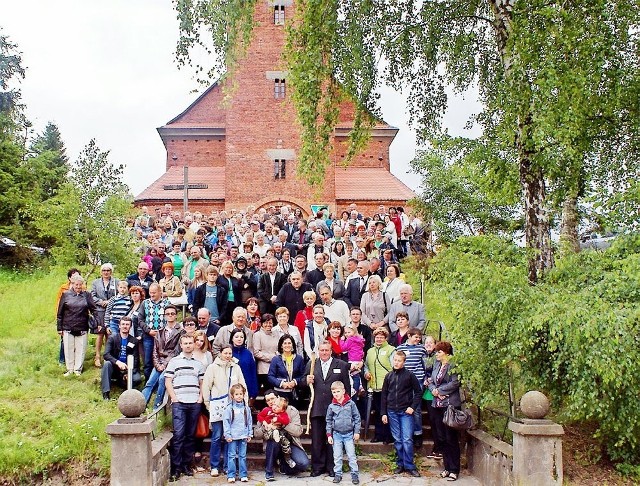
[[378, 363]]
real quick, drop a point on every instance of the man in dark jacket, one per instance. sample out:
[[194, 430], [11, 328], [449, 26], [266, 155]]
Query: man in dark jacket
[[326, 371], [166, 346], [401, 395], [269, 285], [290, 295], [141, 278], [119, 347]]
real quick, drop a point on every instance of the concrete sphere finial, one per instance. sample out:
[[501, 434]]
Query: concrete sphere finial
[[132, 403], [534, 405]]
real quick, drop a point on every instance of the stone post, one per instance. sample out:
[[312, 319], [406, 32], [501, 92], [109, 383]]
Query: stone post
[[537, 444], [131, 456]]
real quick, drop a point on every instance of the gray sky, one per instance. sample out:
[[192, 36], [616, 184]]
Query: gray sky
[[106, 70]]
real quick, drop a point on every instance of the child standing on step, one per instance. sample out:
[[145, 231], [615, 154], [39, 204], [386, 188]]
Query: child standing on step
[[343, 429], [237, 426]]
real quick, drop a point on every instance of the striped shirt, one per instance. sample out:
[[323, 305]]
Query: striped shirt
[[117, 307], [416, 359], [186, 375]]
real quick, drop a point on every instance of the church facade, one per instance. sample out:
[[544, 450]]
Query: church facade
[[242, 151]]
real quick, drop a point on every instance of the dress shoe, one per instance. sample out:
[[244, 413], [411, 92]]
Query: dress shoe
[[375, 439], [331, 474], [417, 441], [315, 473], [398, 470], [414, 473], [106, 396]]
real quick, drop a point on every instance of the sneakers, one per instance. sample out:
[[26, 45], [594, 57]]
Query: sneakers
[[68, 373], [214, 473], [106, 396], [444, 474], [231, 480], [77, 373], [269, 477], [434, 455], [452, 477], [244, 479], [355, 479], [291, 463], [337, 478]]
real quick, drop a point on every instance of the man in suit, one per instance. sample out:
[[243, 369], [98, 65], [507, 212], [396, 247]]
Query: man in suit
[[118, 347], [290, 295], [283, 238], [302, 237], [269, 285], [357, 285], [326, 371], [290, 227]]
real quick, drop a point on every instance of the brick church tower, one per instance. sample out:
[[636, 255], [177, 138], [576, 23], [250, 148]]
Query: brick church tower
[[243, 151]]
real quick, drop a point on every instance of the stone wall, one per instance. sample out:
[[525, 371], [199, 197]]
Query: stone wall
[[489, 459], [161, 463]]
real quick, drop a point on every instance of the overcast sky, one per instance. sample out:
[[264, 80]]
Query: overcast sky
[[107, 70]]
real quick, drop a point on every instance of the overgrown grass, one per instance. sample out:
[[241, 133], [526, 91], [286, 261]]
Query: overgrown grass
[[47, 421]]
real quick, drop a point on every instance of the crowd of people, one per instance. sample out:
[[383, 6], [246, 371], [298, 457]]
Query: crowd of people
[[303, 313]]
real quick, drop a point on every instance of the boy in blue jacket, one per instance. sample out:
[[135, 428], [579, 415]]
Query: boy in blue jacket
[[343, 428]]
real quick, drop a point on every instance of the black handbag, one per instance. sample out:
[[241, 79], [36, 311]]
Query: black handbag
[[458, 419]]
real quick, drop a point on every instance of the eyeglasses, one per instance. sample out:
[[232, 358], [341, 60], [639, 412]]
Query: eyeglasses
[[188, 324]]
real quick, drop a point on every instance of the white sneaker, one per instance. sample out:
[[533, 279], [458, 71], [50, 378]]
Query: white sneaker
[[291, 463], [214, 472], [68, 373], [244, 479], [77, 373], [231, 480]]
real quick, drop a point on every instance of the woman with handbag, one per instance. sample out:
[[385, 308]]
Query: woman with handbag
[[218, 379], [445, 388]]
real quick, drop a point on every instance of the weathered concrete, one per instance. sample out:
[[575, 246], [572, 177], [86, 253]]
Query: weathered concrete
[[534, 404], [132, 403], [131, 454], [161, 467], [537, 452], [489, 458]]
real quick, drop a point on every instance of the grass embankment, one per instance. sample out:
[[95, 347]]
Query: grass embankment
[[47, 422]]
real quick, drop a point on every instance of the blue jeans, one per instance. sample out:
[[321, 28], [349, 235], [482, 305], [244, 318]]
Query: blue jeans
[[237, 448], [417, 420], [218, 447], [185, 418], [114, 325], [147, 347], [156, 380], [274, 451], [402, 431], [346, 440], [61, 354]]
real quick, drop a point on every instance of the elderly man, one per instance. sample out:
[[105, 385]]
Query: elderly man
[[273, 450], [334, 310], [239, 317], [414, 309], [269, 285], [207, 324], [315, 276], [319, 246], [141, 278], [151, 319], [357, 285], [290, 295], [326, 371], [282, 237], [290, 227]]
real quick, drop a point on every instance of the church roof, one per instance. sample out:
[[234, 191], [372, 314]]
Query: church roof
[[370, 183], [208, 184]]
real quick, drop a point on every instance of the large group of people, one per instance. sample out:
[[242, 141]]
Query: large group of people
[[303, 313]]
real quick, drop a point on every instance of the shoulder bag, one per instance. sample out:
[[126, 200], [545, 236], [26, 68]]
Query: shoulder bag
[[458, 419], [218, 404]]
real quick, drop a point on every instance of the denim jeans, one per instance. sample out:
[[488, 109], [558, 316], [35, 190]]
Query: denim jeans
[[298, 455], [114, 325], [185, 418], [402, 431], [156, 380], [147, 347], [417, 420], [237, 448], [218, 447], [346, 440]]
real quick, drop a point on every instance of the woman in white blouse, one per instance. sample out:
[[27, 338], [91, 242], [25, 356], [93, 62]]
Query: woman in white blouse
[[392, 283]]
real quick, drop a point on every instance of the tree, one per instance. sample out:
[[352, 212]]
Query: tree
[[87, 218], [10, 69], [549, 74], [50, 158]]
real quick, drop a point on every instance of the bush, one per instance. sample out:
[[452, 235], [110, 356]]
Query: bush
[[574, 336]]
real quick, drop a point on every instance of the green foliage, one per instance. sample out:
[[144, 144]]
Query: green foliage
[[574, 336], [10, 70], [87, 218], [459, 191], [47, 421]]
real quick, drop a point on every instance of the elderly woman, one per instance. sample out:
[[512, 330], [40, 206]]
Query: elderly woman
[[445, 388], [218, 379], [286, 370], [374, 303], [336, 286], [377, 365], [74, 309], [170, 284], [265, 347], [102, 289], [284, 328]]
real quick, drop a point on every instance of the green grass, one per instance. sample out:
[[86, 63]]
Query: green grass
[[47, 422]]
